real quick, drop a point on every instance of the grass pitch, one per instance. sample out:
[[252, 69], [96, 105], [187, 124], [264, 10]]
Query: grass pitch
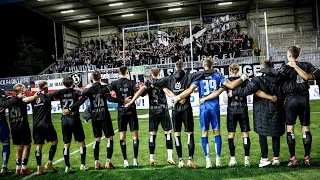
[[165, 171]]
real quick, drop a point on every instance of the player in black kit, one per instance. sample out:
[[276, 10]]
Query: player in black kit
[[43, 128], [70, 121], [124, 89], [297, 102], [4, 129], [20, 131], [158, 114], [182, 111], [98, 93]]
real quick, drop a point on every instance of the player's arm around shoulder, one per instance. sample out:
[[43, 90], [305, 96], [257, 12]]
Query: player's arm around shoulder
[[252, 87], [213, 95], [235, 83], [30, 98]]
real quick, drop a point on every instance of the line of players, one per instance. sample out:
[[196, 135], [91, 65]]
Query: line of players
[[292, 78]]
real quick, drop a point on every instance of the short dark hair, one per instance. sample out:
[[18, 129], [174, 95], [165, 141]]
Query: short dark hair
[[123, 70], [179, 65], [96, 75], [266, 63], [68, 81], [294, 51], [155, 71], [41, 84]]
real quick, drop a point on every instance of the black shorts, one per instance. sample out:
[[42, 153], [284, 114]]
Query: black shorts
[[102, 125], [21, 136], [128, 117], [44, 132], [297, 105], [234, 118], [155, 120], [72, 126], [185, 117]]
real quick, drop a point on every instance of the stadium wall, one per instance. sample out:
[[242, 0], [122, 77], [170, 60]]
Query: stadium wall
[[71, 40], [284, 20]]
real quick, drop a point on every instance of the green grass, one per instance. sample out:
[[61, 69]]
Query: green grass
[[163, 170]]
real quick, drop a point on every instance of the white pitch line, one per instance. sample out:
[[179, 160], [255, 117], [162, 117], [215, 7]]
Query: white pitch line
[[62, 159]]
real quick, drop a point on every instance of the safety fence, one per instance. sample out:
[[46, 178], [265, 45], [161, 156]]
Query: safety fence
[[82, 75]]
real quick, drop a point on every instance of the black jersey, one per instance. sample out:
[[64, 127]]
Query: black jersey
[[238, 103], [41, 108], [180, 81], [124, 88], [18, 115], [5, 103], [157, 98], [98, 95], [67, 98], [292, 80]]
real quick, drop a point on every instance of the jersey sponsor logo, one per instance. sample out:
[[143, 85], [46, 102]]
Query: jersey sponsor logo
[[38, 101], [177, 85]]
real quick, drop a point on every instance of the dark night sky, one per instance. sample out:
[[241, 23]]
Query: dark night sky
[[16, 20]]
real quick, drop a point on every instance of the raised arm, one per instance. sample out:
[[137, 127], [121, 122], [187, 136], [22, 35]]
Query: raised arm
[[4, 102], [251, 88], [163, 82], [201, 74], [30, 99], [235, 83], [213, 95], [306, 76], [54, 95]]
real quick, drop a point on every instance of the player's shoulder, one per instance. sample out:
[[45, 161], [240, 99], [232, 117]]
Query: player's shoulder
[[88, 86], [103, 84], [304, 65]]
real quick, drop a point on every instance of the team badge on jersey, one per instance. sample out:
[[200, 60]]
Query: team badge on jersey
[[77, 79]]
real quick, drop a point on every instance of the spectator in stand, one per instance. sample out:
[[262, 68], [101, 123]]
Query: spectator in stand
[[139, 50], [257, 53]]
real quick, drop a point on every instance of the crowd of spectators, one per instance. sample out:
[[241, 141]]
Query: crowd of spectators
[[139, 50]]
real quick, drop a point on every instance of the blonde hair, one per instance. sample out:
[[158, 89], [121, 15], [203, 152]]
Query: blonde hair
[[234, 67], [18, 87], [208, 62], [41, 84]]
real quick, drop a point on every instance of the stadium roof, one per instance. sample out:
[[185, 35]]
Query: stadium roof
[[70, 12]]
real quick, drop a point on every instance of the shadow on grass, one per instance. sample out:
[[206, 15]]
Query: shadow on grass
[[167, 171]]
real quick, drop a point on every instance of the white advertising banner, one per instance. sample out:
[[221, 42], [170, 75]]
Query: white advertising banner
[[53, 84]]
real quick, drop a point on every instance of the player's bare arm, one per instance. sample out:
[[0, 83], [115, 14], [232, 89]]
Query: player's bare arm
[[236, 83], [30, 99], [169, 93], [136, 96], [188, 91], [302, 73], [213, 95]]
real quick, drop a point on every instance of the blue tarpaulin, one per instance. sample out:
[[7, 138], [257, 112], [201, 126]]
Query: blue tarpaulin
[[9, 1]]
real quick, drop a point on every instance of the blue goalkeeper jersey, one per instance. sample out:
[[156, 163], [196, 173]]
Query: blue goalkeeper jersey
[[206, 86]]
